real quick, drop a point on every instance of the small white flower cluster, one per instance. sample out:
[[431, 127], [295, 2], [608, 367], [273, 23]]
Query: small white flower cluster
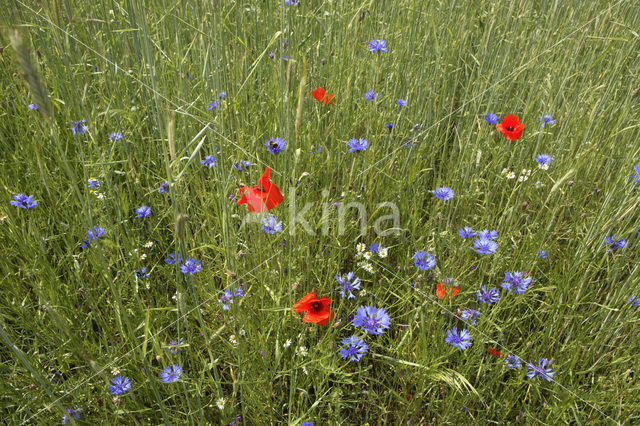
[[525, 175], [96, 183], [138, 254], [362, 252], [233, 340], [220, 403]]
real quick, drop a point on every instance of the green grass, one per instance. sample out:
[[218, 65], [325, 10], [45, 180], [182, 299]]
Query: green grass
[[122, 65]]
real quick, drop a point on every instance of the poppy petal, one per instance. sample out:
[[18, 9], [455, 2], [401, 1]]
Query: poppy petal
[[510, 120], [439, 291], [304, 304], [256, 201], [326, 321], [318, 93], [454, 291], [264, 179], [274, 197]]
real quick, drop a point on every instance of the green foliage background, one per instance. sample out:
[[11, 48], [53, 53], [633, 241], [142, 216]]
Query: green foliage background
[[122, 66]]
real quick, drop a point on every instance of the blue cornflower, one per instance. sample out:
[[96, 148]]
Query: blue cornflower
[[634, 301], [516, 282], [377, 46], [142, 273], [92, 234], [389, 126], [290, 2], [190, 266], [163, 187], [466, 232], [460, 340], [546, 119], [401, 102], [227, 297], [543, 160], [171, 373], [209, 161], [213, 105], [484, 246], [488, 296], [306, 423], [422, 263], [491, 118], [74, 413], [469, 313], [172, 259], [78, 127], [275, 145], [115, 136], [372, 320], [488, 235], [445, 193], [237, 167], [173, 345], [222, 95], [23, 201], [614, 244], [353, 348], [143, 211], [371, 95], [374, 248], [271, 225], [33, 107], [542, 254], [636, 177], [449, 280], [512, 361], [95, 232], [540, 370], [357, 144], [119, 385], [93, 183], [348, 284]]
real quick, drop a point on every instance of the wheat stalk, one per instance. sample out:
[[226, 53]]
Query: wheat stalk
[[29, 71]]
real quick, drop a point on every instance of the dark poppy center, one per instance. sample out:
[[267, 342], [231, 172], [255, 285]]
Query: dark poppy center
[[261, 188], [316, 306], [510, 128]]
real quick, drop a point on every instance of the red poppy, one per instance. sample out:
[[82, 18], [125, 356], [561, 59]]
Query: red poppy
[[440, 291], [261, 197], [318, 310], [319, 95], [511, 127], [494, 352]]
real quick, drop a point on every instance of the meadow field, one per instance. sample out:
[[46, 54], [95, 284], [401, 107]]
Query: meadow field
[[319, 212]]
